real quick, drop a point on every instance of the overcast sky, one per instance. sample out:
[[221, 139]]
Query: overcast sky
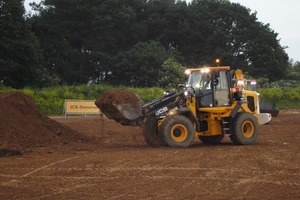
[[283, 17]]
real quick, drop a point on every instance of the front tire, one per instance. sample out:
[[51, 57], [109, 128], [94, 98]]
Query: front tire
[[177, 131], [150, 132], [244, 129]]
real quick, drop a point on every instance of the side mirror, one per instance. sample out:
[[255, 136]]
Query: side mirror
[[183, 86]]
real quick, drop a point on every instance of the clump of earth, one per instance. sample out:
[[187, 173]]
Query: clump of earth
[[123, 106]]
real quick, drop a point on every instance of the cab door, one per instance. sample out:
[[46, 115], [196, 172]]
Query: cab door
[[221, 88]]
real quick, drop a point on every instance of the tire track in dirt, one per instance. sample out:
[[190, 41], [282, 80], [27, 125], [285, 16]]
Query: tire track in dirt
[[116, 173], [145, 169], [65, 189], [280, 183], [13, 181], [51, 192], [44, 167]]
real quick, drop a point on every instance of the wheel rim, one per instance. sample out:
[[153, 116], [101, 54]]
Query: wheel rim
[[248, 129], [179, 133]]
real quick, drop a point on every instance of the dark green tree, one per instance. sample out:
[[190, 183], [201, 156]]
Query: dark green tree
[[20, 53], [220, 29], [171, 74], [81, 38], [139, 66], [95, 41]]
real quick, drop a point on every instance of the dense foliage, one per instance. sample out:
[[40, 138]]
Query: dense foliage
[[70, 42], [20, 55]]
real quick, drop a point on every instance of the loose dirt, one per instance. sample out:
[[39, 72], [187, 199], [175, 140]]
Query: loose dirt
[[116, 97], [121, 166], [23, 127], [122, 106]]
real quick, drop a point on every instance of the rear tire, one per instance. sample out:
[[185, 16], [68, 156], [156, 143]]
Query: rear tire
[[150, 132], [215, 139], [244, 129], [177, 131]]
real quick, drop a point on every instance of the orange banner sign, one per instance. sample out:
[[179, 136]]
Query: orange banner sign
[[81, 107]]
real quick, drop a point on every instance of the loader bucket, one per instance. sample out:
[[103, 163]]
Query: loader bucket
[[122, 106]]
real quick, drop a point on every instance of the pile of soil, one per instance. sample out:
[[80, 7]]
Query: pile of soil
[[123, 106], [117, 97], [23, 127]]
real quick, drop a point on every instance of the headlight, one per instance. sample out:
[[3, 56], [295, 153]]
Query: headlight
[[205, 70], [240, 82], [186, 93], [187, 72]]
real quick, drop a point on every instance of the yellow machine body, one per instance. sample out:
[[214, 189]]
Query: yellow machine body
[[214, 116]]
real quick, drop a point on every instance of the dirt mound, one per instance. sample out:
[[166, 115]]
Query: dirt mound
[[122, 106], [117, 97], [22, 127]]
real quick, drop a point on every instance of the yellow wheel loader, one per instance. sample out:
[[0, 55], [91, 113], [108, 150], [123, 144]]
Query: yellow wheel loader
[[209, 107]]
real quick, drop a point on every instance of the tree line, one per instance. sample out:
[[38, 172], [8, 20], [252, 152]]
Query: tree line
[[132, 42]]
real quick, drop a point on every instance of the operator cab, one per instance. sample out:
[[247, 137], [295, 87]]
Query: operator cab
[[211, 86]]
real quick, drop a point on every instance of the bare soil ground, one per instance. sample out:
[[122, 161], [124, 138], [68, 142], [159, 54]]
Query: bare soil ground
[[119, 165]]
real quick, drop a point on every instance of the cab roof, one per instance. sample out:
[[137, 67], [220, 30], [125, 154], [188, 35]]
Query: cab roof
[[210, 68]]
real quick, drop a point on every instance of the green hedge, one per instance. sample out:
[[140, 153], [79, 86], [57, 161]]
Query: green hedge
[[284, 98], [51, 100]]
